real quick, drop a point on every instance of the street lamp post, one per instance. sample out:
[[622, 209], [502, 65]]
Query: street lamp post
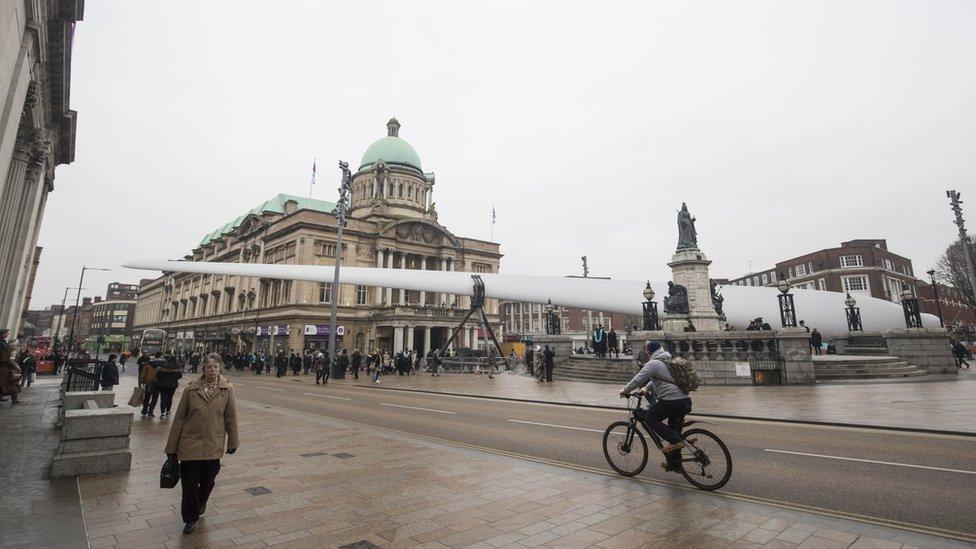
[[650, 309], [74, 316], [935, 292], [853, 315], [341, 208], [909, 303], [787, 310], [240, 339], [56, 337]]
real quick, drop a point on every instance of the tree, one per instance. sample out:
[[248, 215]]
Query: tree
[[951, 268]]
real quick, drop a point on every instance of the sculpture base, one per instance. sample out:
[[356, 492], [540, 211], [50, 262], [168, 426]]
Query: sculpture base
[[689, 268]]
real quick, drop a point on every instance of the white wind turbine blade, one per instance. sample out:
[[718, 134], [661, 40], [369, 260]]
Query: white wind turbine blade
[[822, 310]]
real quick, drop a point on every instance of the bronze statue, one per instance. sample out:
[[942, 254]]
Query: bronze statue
[[687, 235], [677, 299], [717, 298]]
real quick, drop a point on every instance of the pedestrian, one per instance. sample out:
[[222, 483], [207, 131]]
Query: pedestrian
[[9, 374], [28, 369], [960, 353], [110, 373], [306, 362], [147, 379], [296, 363], [205, 423], [377, 366], [342, 363], [613, 343], [550, 357], [511, 360], [357, 360], [434, 362], [280, 363], [816, 341], [321, 366], [529, 362], [122, 358], [167, 380], [58, 362]]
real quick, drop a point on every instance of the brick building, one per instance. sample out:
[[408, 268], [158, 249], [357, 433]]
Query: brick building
[[953, 309], [863, 266], [109, 321]]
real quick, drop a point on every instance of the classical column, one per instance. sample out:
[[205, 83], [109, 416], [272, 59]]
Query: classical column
[[22, 243], [378, 291], [389, 265], [442, 297], [473, 337], [397, 339], [403, 265], [12, 191], [409, 330], [426, 340], [511, 317], [423, 294], [542, 324]]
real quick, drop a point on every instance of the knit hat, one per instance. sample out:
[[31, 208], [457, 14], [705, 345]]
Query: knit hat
[[652, 346]]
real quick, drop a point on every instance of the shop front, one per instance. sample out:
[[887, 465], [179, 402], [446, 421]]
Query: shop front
[[263, 340], [317, 337]]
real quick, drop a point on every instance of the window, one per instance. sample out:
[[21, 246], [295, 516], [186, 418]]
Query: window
[[481, 267], [789, 272], [772, 276], [822, 284], [887, 264], [856, 284], [755, 281], [325, 292], [851, 261], [361, 295], [800, 270], [765, 279]]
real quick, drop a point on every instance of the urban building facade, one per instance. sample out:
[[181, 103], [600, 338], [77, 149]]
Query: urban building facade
[[951, 307], [109, 324], [393, 223], [521, 321], [863, 267], [37, 133]]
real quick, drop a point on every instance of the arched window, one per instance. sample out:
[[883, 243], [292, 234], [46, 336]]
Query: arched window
[[400, 191]]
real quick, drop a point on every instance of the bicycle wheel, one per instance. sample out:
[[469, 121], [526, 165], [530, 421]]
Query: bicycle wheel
[[706, 463], [625, 448]]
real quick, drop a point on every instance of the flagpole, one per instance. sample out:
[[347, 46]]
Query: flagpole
[[312, 184]]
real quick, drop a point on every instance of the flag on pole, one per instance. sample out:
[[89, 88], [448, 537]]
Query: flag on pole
[[492, 214], [313, 179]]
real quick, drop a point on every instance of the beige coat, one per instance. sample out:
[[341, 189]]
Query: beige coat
[[200, 425]]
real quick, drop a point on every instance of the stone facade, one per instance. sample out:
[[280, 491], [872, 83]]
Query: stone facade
[[928, 349], [689, 268], [393, 224], [37, 133]]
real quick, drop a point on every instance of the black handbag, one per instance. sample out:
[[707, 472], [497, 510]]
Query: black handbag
[[169, 476]]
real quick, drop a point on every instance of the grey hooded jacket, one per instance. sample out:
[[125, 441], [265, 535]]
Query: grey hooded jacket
[[655, 372]]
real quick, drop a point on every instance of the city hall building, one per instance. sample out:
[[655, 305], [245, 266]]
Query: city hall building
[[392, 223]]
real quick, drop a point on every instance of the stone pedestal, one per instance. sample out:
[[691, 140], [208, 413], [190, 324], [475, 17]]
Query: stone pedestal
[[689, 268], [927, 348]]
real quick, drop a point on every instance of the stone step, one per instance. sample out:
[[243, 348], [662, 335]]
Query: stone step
[[875, 375]]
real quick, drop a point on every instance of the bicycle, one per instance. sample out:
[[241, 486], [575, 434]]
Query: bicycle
[[705, 461]]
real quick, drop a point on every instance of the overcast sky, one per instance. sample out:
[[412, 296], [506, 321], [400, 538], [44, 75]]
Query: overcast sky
[[787, 126]]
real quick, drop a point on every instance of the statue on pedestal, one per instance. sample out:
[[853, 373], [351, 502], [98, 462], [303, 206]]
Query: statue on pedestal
[[687, 235], [676, 301]]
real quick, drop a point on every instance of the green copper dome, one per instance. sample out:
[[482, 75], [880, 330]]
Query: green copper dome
[[391, 150]]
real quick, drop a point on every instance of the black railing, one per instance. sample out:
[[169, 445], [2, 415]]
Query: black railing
[[83, 375]]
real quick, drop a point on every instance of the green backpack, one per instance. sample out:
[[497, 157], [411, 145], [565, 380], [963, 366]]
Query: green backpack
[[683, 373]]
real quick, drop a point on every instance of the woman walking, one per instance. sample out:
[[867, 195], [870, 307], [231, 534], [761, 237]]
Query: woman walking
[[204, 419], [167, 380]]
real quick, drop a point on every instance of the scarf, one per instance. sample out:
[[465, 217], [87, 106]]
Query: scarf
[[209, 389]]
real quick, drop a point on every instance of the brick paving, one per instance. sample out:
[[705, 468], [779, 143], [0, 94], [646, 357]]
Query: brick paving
[[943, 403], [398, 491]]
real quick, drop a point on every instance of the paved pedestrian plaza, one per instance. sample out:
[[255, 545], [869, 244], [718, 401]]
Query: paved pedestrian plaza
[[302, 480]]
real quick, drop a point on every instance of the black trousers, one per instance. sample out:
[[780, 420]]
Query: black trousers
[[165, 398], [150, 398], [672, 410], [322, 374], [197, 478]]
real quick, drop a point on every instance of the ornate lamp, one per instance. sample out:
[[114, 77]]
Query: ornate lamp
[[853, 315], [552, 321], [787, 311], [650, 309], [909, 304]]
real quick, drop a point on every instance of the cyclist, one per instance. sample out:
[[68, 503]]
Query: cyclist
[[672, 403]]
